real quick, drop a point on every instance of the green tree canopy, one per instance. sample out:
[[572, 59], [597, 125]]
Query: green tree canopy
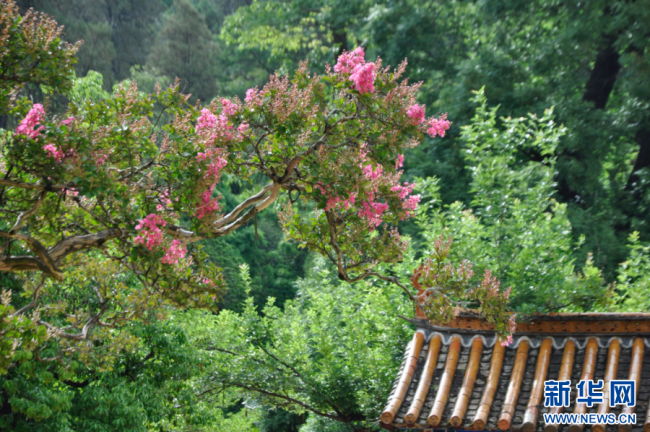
[[185, 50]]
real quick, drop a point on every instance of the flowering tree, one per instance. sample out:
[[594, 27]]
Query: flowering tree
[[32, 52], [115, 195]]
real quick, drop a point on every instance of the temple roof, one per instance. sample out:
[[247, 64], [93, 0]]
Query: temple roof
[[459, 375]]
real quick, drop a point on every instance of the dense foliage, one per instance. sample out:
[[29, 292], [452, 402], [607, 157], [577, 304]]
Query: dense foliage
[[103, 208], [129, 210], [319, 355], [514, 227]]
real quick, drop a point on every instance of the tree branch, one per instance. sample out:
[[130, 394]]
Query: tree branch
[[252, 212], [34, 301], [36, 186], [396, 281], [260, 196], [344, 419], [80, 242], [44, 262]]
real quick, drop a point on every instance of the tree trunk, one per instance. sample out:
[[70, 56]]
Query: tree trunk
[[603, 75], [340, 37], [597, 90]]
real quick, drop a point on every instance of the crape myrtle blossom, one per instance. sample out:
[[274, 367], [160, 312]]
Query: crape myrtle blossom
[[371, 212], [215, 129], [348, 61], [164, 201], [71, 192], [34, 117], [28, 128], [399, 162], [208, 205], [151, 236], [150, 232], [253, 97], [331, 143], [215, 163], [363, 77], [54, 152], [100, 158], [438, 126], [373, 207], [333, 200], [362, 74], [229, 108], [218, 127], [57, 154], [416, 113], [174, 253]]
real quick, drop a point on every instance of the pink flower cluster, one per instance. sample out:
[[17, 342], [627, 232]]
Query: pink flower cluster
[[214, 127], [253, 97], [438, 126], [33, 117], [229, 108], [416, 114], [71, 192], [215, 165], [362, 74], [151, 236], [364, 78], [206, 120], [208, 204], [409, 202], [165, 201], [174, 253], [507, 342], [399, 162], [372, 212], [373, 174], [100, 158], [333, 201], [150, 233], [28, 128], [55, 153], [350, 60]]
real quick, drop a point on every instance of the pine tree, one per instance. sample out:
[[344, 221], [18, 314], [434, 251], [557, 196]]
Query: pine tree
[[186, 51]]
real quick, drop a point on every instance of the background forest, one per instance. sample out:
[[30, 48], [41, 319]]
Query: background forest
[[544, 178]]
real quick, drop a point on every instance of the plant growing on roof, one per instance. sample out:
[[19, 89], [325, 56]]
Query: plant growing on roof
[[444, 289]]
